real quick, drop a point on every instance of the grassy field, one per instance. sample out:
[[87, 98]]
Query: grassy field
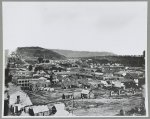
[[107, 107], [103, 105]]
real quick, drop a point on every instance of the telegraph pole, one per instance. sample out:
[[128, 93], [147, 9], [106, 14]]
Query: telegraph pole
[[72, 100]]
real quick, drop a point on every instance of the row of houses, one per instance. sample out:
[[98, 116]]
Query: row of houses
[[121, 78]]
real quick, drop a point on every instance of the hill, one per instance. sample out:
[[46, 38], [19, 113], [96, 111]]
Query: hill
[[70, 53], [35, 52], [134, 61]]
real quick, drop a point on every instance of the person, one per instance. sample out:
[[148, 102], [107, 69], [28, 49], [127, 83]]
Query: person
[[121, 112], [54, 110]]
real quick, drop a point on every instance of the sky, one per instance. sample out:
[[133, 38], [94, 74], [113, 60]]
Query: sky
[[118, 27]]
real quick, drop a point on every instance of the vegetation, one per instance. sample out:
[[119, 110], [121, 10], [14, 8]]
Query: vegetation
[[8, 77], [32, 52], [133, 61], [30, 68]]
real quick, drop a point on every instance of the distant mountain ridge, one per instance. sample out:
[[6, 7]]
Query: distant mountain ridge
[[30, 52], [71, 53]]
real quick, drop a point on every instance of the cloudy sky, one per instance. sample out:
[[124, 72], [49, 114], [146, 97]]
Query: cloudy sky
[[118, 27]]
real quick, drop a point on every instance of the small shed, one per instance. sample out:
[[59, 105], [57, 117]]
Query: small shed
[[67, 96], [41, 110], [86, 94]]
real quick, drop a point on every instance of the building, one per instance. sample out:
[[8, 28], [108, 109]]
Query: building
[[40, 110], [67, 96], [32, 83], [94, 84], [86, 94], [37, 84], [112, 68], [18, 100], [124, 83], [24, 73]]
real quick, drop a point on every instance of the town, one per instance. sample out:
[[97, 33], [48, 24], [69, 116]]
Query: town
[[72, 87]]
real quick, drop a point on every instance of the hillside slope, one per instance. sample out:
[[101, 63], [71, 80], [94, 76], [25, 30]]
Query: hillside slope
[[35, 52]]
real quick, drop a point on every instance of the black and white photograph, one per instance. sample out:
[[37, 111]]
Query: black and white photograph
[[74, 59]]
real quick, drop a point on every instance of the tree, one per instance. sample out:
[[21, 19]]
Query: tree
[[8, 77], [6, 72], [46, 61], [54, 110], [144, 53], [31, 112], [38, 68], [30, 67], [51, 79], [40, 59]]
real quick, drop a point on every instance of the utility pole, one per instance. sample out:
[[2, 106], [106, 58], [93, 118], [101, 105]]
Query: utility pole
[[72, 100]]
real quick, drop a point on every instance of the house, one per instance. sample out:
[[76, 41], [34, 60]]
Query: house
[[120, 73], [86, 94], [77, 94], [36, 75], [84, 83], [55, 80], [98, 73], [67, 95], [18, 100], [131, 75], [106, 83], [40, 110], [94, 84], [124, 83], [42, 78], [66, 73], [85, 75], [118, 92], [36, 84], [111, 68], [110, 77], [136, 81], [47, 89], [69, 83], [118, 84], [24, 73]]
